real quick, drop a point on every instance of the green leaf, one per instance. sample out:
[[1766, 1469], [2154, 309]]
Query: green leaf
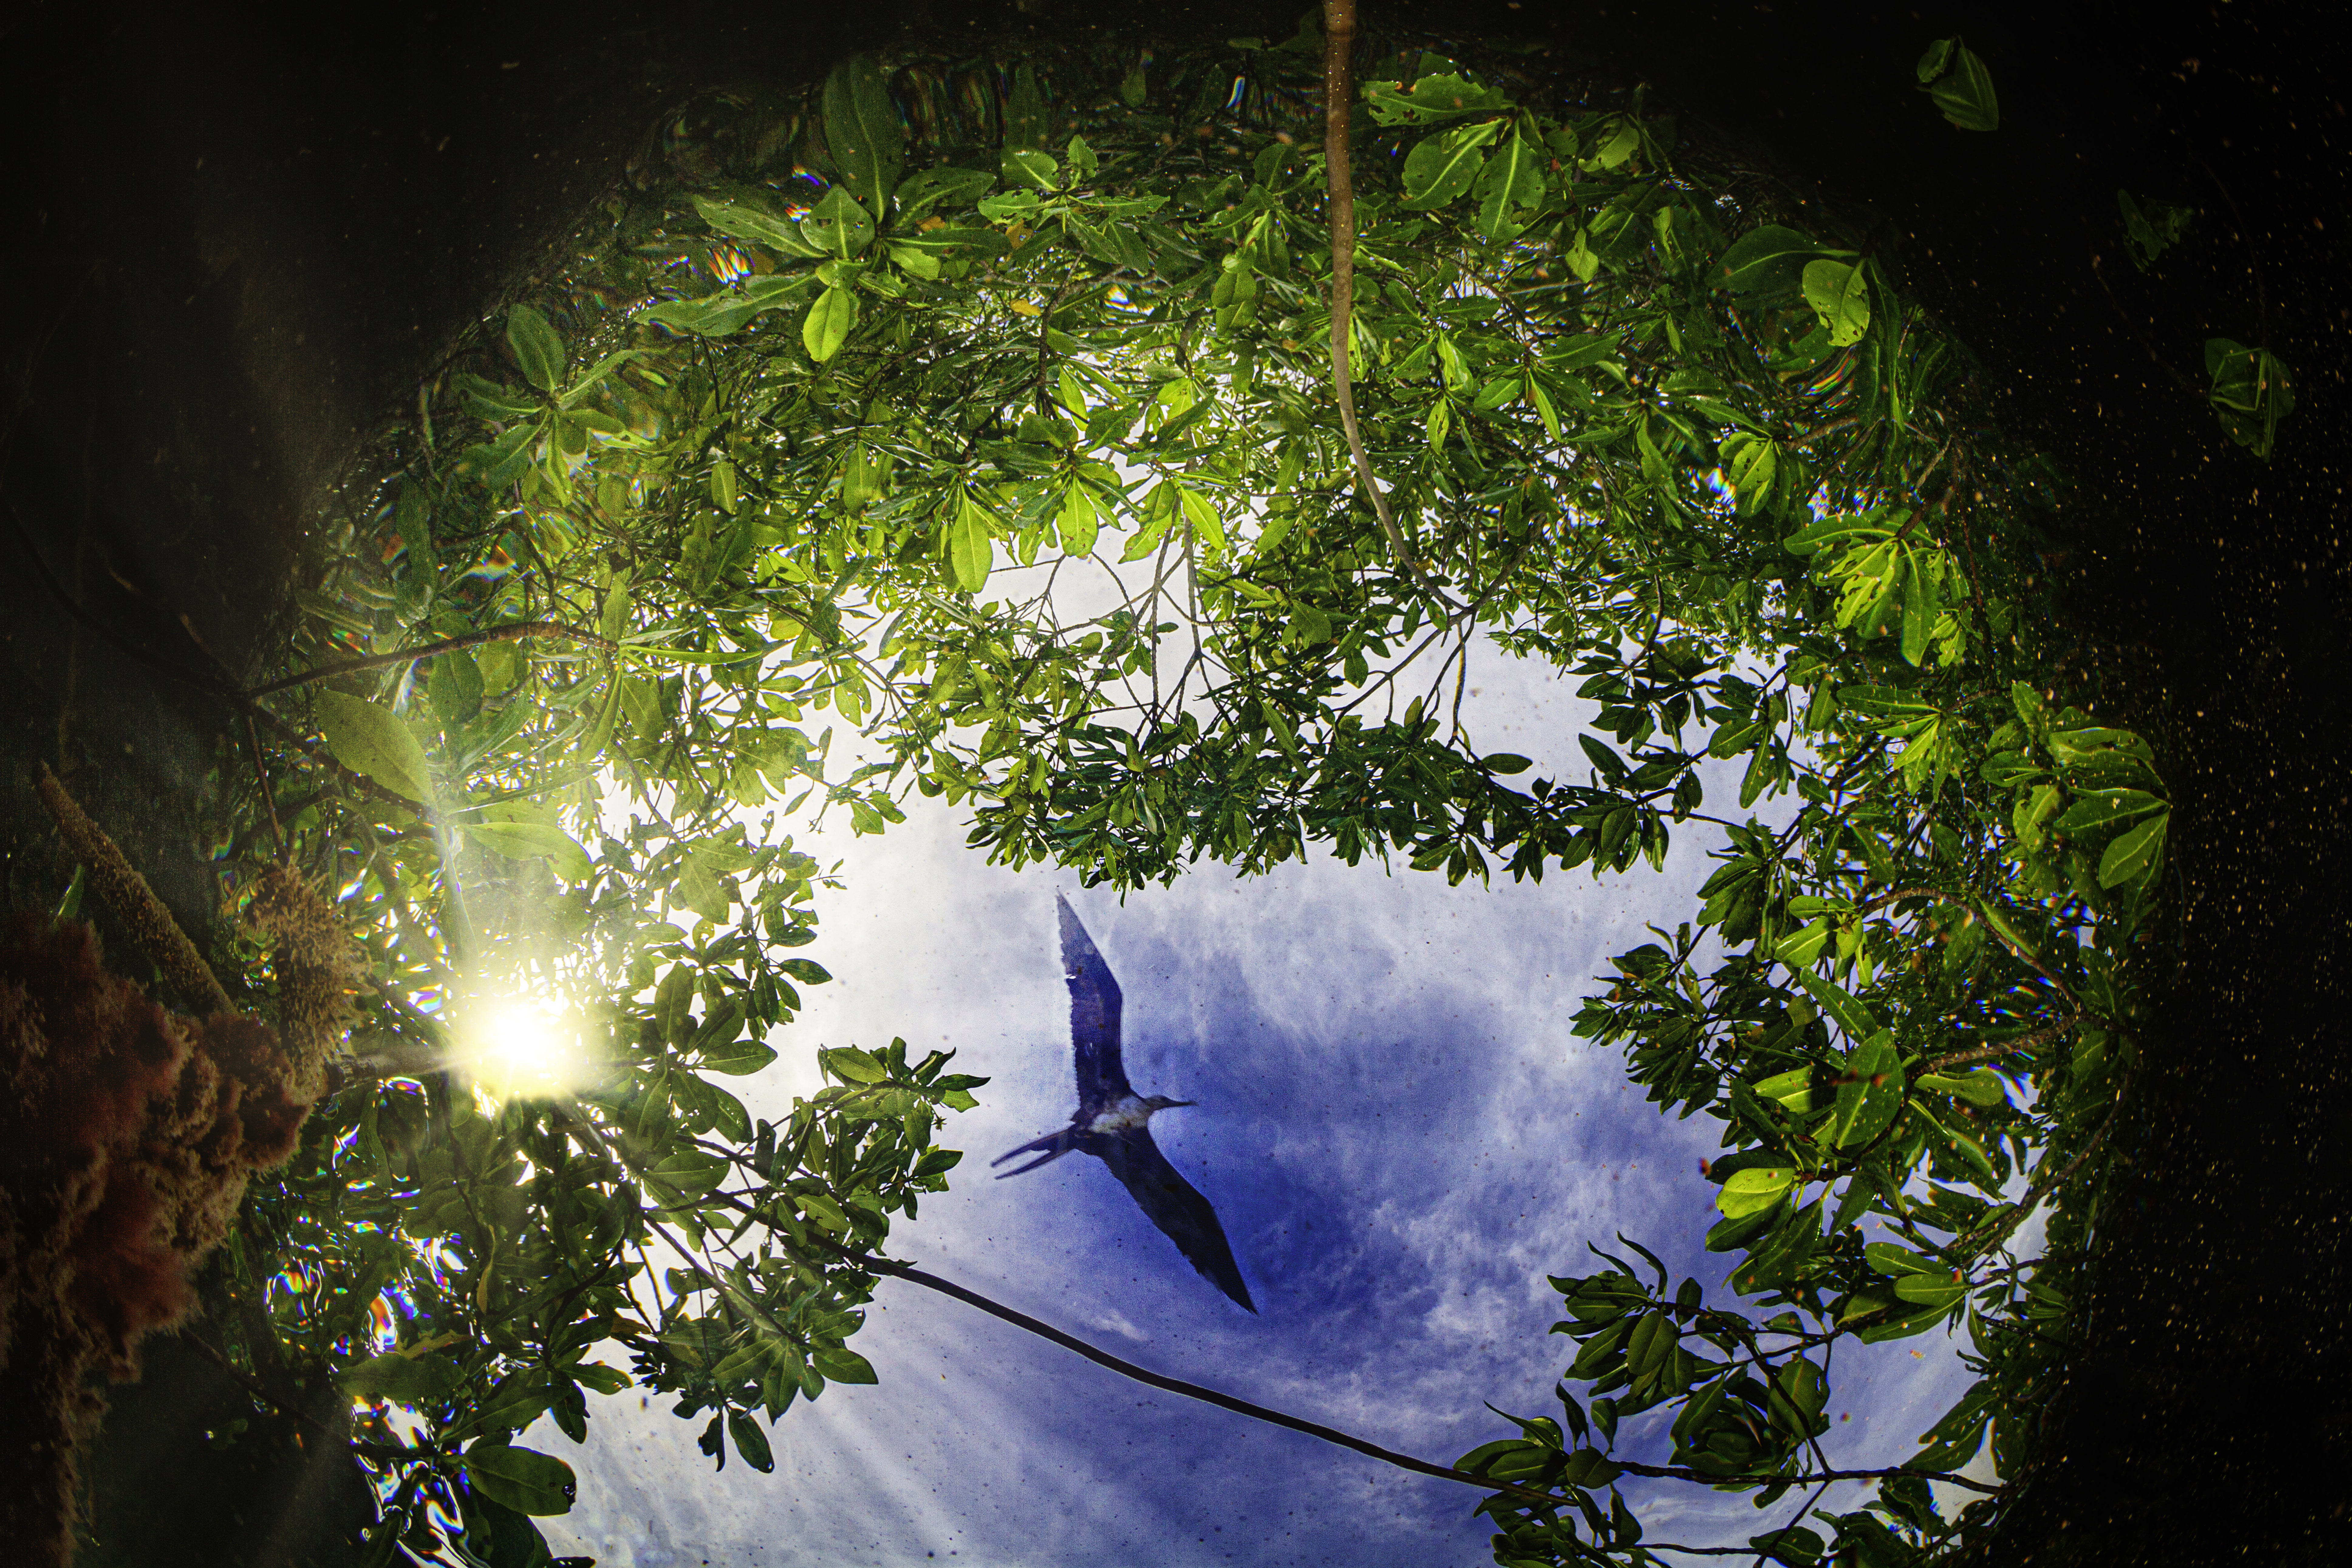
[[1028, 118], [842, 1364], [1432, 101], [1750, 464], [534, 841], [456, 687], [1839, 296], [702, 889], [828, 324], [372, 741], [1921, 604], [1079, 524], [1619, 146], [744, 220], [1961, 87], [2103, 810], [863, 133], [1581, 259], [971, 547], [1513, 179], [1756, 1189], [1851, 1016], [612, 617], [1847, 528], [1233, 301], [852, 1065], [1544, 409], [603, 1379], [839, 224], [537, 348], [523, 1479], [1870, 1093], [688, 1172], [1982, 1088], [715, 315], [1440, 168], [2252, 391], [740, 1058], [1028, 167], [1768, 262], [1800, 948], [2136, 855], [1900, 1262], [752, 1443], [425, 1379], [807, 970], [2151, 227], [1931, 1289]]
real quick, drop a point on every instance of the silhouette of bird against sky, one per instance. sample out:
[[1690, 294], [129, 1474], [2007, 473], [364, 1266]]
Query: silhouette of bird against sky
[[1112, 1121]]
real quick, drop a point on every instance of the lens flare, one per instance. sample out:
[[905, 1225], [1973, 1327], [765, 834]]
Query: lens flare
[[523, 1046]]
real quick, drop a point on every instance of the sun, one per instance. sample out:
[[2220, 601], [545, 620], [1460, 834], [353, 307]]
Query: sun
[[523, 1046]]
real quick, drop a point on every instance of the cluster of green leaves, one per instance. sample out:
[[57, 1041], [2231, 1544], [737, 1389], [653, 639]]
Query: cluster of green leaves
[[1010, 446]]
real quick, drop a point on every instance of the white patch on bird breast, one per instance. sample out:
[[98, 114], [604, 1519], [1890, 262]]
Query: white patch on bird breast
[[1129, 1113]]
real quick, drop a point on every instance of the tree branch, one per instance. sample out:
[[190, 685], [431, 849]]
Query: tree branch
[[126, 893], [513, 633]]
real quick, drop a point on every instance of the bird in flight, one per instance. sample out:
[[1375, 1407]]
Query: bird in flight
[[1112, 1119]]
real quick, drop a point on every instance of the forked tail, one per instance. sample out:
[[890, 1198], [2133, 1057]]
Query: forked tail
[[1055, 1145]]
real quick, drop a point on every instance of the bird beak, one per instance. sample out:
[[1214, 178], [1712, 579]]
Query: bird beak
[[1174, 1103]]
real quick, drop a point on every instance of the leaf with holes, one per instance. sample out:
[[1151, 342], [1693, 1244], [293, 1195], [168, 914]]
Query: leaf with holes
[[1839, 296]]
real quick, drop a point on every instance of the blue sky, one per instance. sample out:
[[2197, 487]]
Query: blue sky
[[1401, 1137]]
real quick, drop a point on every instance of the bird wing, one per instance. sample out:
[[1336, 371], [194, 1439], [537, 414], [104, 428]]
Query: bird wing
[[1176, 1206], [1094, 1018]]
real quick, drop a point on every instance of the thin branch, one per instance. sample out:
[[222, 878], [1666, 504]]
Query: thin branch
[[513, 633], [1189, 1390], [1997, 1049], [261, 777]]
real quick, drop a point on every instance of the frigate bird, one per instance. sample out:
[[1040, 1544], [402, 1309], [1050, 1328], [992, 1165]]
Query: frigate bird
[[1112, 1119]]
